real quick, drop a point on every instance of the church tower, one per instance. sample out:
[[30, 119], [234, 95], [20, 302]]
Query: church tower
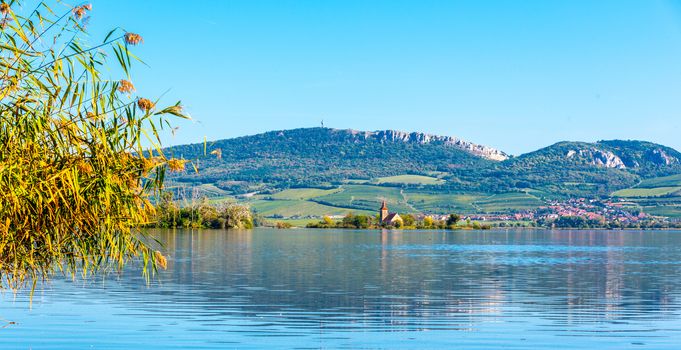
[[383, 212]]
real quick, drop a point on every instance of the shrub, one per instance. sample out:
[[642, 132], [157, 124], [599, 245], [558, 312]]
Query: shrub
[[283, 225]]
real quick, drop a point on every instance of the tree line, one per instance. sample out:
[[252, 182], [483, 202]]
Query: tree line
[[409, 221], [201, 215], [580, 222]]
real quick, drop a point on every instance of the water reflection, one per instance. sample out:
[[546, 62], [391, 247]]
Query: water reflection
[[336, 287]]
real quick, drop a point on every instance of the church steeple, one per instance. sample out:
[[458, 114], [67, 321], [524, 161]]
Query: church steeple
[[383, 211]]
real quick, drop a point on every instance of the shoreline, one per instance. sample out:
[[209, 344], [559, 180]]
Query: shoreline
[[419, 229], [490, 229]]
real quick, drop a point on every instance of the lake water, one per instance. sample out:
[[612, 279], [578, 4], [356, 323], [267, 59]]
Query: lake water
[[373, 290]]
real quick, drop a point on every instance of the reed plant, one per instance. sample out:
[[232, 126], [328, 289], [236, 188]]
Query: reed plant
[[80, 152]]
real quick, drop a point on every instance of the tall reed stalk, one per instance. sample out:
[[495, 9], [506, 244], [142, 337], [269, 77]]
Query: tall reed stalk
[[80, 153]]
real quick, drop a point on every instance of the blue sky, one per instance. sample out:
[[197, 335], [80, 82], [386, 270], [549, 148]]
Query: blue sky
[[515, 75]]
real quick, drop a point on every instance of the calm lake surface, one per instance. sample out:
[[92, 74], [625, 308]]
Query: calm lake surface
[[370, 289]]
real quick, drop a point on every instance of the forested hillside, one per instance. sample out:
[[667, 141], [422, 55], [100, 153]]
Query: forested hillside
[[326, 158], [323, 157]]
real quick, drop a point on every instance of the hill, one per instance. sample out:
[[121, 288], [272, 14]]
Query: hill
[[639, 157], [591, 169], [324, 156], [314, 170], [575, 169]]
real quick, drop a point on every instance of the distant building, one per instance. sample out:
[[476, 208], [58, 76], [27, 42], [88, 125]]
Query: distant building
[[388, 218]]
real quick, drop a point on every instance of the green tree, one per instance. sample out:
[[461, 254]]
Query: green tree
[[167, 211], [237, 216], [356, 221], [209, 215], [408, 220], [328, 221], [348, 220], [362, 221], [453, 219], [76, 170]]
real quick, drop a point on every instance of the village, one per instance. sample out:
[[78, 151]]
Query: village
[[594, 211]]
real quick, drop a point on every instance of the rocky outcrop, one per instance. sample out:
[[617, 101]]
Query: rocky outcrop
[[597, 157], [645, 157], [660, 157], [423, 138]]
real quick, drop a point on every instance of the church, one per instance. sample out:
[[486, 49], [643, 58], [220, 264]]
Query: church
[[387, 218]]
